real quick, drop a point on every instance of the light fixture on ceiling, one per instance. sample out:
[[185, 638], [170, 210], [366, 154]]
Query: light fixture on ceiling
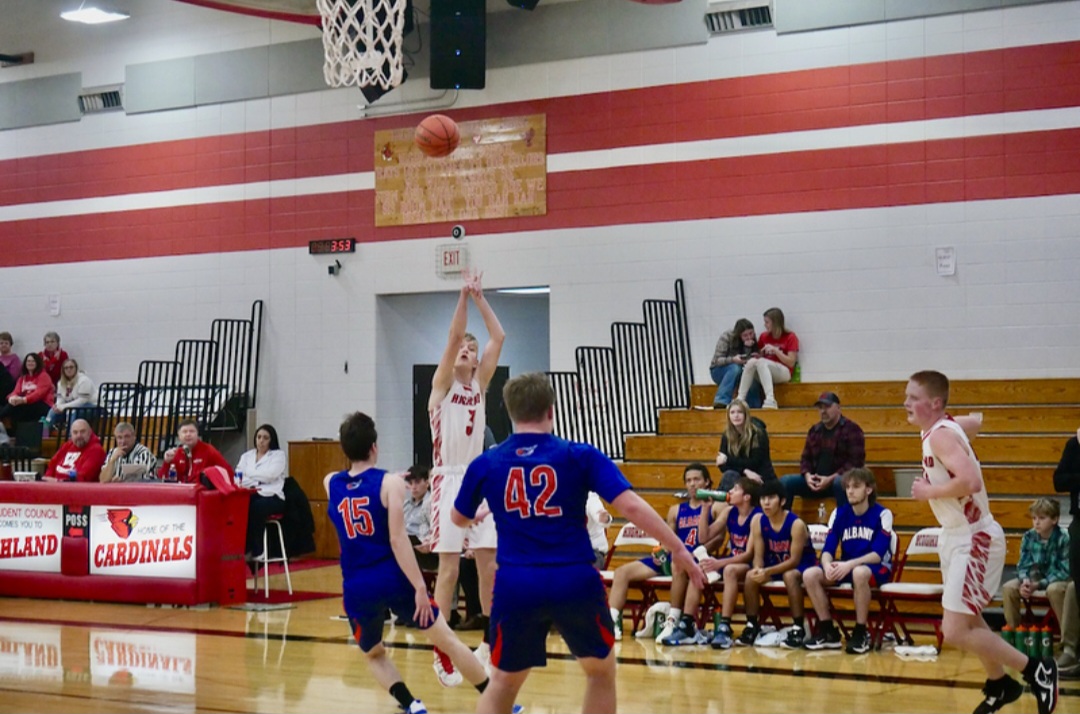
[[93, 15], [536, 290]]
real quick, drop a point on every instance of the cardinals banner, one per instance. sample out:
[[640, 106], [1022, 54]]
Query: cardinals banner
[[143, 541]]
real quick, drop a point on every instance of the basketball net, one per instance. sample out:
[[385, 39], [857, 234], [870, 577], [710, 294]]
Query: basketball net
[[362, 42]]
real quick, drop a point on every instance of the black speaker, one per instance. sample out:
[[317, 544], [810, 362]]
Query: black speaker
[[458, 44]]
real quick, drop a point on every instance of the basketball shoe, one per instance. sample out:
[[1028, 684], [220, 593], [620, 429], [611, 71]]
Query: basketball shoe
[[749, 636], [723, 639], [417, 707], [795, 638], [859, 642], [825, 639], [444, 670], [998, 693], [1042, 677], [686, 633]]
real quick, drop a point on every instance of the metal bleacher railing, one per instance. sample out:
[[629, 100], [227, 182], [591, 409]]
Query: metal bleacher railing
[[618, 390], [212, 381]]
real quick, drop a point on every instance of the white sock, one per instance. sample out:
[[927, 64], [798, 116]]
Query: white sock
[[616, 616], [674, 614]]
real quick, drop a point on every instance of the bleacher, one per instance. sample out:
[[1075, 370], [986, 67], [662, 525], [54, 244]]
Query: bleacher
[[1025, 426], [212, 381]]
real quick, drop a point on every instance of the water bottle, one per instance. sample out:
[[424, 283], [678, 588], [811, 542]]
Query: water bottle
[[239, 479], [1046, 650], [1031, 640], [719, 496], [796, 374], [171, 478], [662, 559], [1008, 635], [822, 513]]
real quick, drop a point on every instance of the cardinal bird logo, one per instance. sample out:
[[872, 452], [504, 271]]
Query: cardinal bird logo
[[123, 521]]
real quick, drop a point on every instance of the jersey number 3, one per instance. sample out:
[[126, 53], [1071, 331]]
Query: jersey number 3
[[515, 498], [356, 518]]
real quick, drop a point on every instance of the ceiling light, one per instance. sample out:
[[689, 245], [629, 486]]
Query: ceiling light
[[93, 15], [537, 290]]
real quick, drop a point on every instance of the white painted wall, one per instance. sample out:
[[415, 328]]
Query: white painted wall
[[858, 286]]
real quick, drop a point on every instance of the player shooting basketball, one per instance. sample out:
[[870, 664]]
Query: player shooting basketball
[[456, 409]]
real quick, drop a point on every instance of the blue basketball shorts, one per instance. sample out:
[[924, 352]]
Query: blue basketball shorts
[[529, 600], [368, 593]]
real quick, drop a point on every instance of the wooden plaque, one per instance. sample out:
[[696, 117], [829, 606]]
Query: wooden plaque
[[499, 170]]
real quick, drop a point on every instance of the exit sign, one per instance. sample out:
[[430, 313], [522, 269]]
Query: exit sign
[[451, 259]]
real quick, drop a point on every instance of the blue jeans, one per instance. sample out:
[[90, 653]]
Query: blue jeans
[[795, 485], [727, 376]]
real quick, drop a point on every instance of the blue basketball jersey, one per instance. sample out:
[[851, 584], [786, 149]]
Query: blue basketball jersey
[[686, 523], [739, 533], [357, 513], [858, 535], [536, 486], [778, 543]]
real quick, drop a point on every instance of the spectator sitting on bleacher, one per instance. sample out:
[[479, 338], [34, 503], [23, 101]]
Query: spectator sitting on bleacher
[[782, 553], [33, 393], [192, 456], [1043, 565], [1067, 479], [129, 460], [683, 519], [81, 456], [862, 529], [733, 350], [834, 446], [779, 348], [74, 389], [744, 448], [9, 359], [52, 356], [736, 520]]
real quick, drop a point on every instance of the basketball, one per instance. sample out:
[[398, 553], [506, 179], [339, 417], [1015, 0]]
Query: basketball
[[437, 135]]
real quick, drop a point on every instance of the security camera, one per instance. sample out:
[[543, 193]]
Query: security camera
[[457, 232], [335, 269]]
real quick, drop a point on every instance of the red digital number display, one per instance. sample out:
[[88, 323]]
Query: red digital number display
[[333, 245]]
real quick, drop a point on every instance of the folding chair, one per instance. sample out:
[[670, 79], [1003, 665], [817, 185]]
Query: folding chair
[[892, 596], [630, 535], [847, 591]]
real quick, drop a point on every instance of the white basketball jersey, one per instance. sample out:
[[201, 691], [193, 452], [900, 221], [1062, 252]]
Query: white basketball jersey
[[953, 512], [457, 425]]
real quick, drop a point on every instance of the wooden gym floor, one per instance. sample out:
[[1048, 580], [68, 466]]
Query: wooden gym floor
[[68, 656]]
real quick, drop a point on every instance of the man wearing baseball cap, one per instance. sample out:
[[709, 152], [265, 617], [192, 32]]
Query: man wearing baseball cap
[[834, 446]]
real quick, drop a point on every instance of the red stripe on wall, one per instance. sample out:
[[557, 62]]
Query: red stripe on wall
[[1014, 166], [1014, 79]]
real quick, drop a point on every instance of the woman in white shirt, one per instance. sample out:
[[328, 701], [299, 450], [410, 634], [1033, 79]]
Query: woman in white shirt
[[262, 469], [73, 390]]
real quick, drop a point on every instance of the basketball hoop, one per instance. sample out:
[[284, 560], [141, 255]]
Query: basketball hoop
[[362, 42]]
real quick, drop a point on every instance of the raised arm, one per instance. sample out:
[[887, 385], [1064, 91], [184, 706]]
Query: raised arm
[[489, 360], [444, 373]]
